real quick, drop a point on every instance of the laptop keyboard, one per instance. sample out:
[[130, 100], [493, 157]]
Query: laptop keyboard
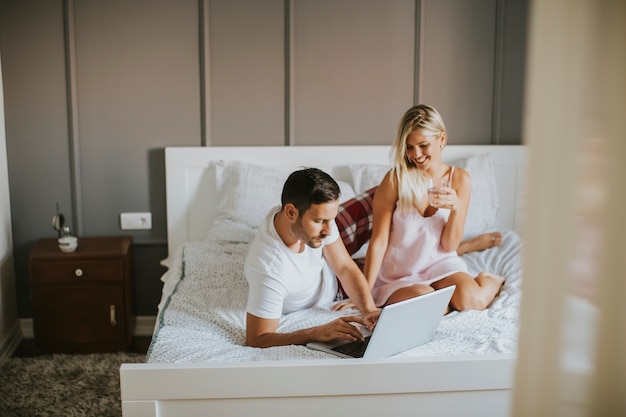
[[354, 349]]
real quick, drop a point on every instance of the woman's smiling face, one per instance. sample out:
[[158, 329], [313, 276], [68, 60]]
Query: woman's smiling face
[[422, 150]]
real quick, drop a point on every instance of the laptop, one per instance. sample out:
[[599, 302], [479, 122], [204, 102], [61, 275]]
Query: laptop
[[400, 327]]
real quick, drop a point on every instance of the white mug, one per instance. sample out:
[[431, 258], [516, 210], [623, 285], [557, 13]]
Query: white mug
[[68, 243]]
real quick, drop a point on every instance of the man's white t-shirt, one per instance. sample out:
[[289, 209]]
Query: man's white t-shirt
[[282, 281]]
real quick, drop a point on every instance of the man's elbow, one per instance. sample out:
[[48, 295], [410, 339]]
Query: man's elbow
[[253, 342], [258, 341]]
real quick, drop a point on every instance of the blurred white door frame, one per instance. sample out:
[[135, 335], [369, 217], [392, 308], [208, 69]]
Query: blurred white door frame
[[571, 359]]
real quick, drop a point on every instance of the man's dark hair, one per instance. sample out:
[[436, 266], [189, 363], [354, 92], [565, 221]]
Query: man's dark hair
[[309, 186]]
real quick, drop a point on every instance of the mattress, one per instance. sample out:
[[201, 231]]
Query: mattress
[[201, 316]]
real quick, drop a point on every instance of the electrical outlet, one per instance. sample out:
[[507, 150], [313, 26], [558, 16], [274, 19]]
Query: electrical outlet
[[136, 221]]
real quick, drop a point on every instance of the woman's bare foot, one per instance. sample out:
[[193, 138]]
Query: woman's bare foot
[[480, 242], [492, 281], [499, 279]]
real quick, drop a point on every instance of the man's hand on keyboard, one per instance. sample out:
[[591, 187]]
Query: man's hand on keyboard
[[341, 328]]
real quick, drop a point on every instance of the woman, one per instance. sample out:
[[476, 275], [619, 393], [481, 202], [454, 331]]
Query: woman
[[413, 247]]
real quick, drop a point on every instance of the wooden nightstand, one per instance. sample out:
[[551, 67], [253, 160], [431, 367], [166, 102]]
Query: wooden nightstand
[[82, 301]]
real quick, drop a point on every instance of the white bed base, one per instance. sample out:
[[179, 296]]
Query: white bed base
[[434, 386]]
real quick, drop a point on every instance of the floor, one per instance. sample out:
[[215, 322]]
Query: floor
[[28, 347]]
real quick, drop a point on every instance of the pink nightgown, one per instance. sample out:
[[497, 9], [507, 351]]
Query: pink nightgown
[[414, 254]]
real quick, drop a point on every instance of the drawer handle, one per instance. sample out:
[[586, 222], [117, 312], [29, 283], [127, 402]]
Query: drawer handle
[[112, 315], [78, 272]]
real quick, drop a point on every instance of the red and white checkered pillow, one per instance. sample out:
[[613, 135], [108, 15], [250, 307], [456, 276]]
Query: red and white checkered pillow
[[354, 220]]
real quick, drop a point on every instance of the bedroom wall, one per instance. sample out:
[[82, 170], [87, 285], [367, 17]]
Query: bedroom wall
[[10, 333], [95, 90]]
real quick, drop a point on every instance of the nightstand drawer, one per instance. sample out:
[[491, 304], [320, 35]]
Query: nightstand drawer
[[77, 271]]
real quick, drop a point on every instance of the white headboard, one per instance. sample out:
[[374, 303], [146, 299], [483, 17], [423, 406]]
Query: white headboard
[[191, 189]]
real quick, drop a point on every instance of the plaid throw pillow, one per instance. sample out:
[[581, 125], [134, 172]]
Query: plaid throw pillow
[[354, 220]]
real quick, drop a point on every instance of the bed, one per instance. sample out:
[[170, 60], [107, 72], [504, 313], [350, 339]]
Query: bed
[[197, 363]]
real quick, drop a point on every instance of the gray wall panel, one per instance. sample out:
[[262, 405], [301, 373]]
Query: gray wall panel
[[247, 74], [513, 69], [353, 70], [8, 301], [457, 66], [138, 88], [33, 67]]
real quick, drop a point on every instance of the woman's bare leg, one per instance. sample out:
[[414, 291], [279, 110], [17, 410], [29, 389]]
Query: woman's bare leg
[[480, 242], [408, 292]]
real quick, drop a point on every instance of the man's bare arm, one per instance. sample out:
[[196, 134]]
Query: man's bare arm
[[352, 280], [262, 332]]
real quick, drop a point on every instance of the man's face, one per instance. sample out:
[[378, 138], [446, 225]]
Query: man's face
[[315, 225]]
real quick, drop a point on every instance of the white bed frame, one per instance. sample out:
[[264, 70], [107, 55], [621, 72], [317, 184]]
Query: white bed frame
[[434, 386]]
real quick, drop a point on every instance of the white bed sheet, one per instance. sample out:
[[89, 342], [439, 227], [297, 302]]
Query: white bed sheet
[[202, 312]]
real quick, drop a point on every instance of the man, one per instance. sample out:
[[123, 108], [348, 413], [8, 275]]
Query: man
[[294, 262]]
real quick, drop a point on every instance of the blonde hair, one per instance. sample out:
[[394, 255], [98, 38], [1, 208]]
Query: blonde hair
[[411, 182]]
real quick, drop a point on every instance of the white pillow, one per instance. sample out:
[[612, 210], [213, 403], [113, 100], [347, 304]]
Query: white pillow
[[230, 232], [347, 191], [247, 192], [366, 176], [483, 213]]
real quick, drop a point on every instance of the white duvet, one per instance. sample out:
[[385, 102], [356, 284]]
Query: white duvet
[[202, 312]]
